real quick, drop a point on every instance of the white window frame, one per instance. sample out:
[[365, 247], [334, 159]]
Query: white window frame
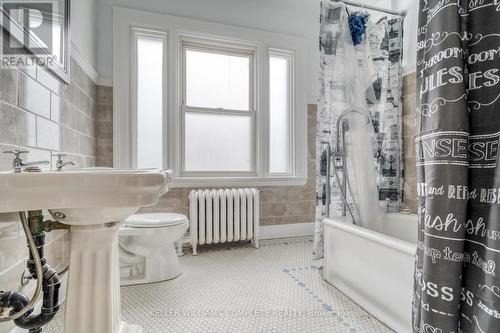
[[214, 46], [153, 34], [176, 30], [290, 56]]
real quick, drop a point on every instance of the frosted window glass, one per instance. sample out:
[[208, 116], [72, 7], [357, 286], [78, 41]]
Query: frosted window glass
[[217, 81], [149, 102], [218, 142], [279, 96]]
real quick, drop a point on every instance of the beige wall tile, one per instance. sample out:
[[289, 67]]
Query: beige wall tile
[[8, 86], [266, 209], [409, 125], [33, 96], [47, 134], [279, 209], [48, 80], [264, 221], [409, 147], [104, 95], [409, 83], [17, 127], [300, 208], [409, 115]]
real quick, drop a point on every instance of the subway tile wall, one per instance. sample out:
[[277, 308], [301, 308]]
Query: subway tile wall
[[410, 201], [43, 115], [104, 126], [278, 205]]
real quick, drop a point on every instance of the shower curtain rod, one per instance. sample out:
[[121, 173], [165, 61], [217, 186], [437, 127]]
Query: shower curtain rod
[[359, 4]]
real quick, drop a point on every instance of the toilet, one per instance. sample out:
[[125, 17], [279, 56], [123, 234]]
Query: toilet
[[146, 247]]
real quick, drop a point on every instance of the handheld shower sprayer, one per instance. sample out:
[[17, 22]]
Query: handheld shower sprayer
[[339, 163], [339, 143]]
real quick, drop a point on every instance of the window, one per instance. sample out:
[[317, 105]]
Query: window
[[217, 80], [218, 112], [148, 98], [217, 104], [280, 111]]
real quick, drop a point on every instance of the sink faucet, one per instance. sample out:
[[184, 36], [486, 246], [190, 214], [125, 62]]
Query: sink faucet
[[18, 164], [60, 164]]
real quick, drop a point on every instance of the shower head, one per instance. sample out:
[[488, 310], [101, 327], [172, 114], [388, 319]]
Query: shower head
[[360, 111]]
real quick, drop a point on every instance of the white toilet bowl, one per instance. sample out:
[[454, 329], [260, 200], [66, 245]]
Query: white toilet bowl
[[147, 251]]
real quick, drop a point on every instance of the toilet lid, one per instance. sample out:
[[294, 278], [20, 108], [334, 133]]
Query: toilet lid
[[155, 220]]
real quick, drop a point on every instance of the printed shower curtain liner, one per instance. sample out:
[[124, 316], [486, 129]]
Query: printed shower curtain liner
[[382, 46], [457, 281]]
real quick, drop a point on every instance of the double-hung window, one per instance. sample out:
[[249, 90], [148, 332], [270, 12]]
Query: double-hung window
[[219, 105], [218, 110]]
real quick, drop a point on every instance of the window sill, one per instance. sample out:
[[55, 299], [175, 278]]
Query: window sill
[[219, 182]]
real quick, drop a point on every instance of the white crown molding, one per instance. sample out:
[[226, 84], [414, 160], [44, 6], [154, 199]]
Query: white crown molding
[[286, 230], [84, 63]]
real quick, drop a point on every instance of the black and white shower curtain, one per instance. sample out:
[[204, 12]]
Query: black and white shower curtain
[[457, 280], [384, 37]]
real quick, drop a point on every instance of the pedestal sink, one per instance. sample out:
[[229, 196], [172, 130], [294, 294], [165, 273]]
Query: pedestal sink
[[93, 202]]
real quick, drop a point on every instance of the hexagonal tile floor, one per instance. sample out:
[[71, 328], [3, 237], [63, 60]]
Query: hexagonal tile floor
[[236, 288]]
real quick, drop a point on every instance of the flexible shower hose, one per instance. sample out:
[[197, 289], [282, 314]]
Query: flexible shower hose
[[344, 196]]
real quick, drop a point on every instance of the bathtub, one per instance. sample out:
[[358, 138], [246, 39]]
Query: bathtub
[[374, 267]]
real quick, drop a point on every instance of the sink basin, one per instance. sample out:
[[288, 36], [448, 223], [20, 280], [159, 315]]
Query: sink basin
[[94, 202], [84, 188]]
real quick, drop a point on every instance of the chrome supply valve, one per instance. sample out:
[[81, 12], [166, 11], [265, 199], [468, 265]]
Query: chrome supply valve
[[388, 204], [60, 164], [18, 164]]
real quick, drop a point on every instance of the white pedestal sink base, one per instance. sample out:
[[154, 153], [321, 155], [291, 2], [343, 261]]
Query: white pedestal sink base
[[87, 200], [93, 296]]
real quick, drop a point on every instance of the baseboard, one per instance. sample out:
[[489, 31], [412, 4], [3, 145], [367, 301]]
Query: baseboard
[[286, 230], [272, 232]]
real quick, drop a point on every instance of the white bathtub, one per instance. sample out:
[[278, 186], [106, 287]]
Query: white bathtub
[[374, 268]]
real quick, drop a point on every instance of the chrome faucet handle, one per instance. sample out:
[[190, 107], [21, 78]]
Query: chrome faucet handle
[[59, 155], [17, 153], [60, 164], [17, 163]]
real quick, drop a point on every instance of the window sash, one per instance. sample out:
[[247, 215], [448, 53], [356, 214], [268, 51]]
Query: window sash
[[252, 173], [137, 33], [189, 45], [290, 57]]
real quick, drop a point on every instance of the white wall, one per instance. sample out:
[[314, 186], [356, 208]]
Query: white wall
[[294, 17], [410, 33], [84, 34]]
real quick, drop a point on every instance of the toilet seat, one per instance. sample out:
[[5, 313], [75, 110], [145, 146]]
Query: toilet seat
[[155, 220]]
